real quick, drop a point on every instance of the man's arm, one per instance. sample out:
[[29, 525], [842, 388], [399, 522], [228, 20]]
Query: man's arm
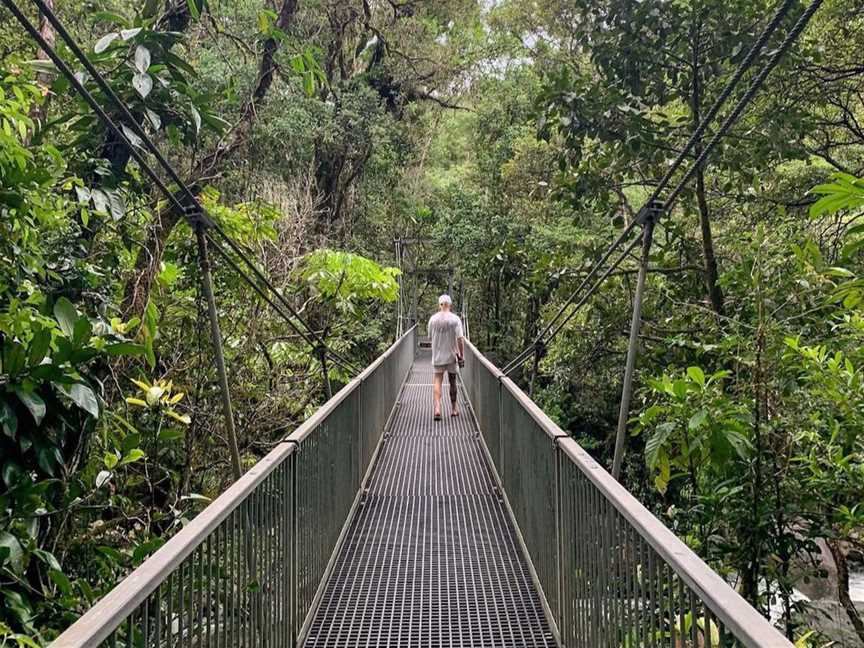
[[460, 345]]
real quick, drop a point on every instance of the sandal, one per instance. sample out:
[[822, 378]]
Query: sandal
[[436, 417]]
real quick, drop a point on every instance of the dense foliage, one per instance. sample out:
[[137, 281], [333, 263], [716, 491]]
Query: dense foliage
[[509, 142]]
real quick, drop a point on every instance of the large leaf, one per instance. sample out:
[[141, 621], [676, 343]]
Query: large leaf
[[15, 557], [661, 435], [142, 58], [143, 84], [103, 43], [8, 419], [32, 402], [39, 346], [85, 398], [66, 316]]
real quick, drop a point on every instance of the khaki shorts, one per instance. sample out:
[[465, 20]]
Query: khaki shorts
[[451, 368]]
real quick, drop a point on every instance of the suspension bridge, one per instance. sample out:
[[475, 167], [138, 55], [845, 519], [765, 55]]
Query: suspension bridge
[[372, 526]]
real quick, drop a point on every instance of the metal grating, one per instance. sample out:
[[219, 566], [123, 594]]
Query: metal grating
[[431, 558]]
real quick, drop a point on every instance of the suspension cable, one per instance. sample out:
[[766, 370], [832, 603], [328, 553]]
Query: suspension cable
[[702, 127], [197, 209]]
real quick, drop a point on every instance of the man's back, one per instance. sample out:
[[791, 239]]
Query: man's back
[[444, 331]]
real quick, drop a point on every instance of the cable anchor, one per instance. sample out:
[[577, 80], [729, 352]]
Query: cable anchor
[[650, 212]]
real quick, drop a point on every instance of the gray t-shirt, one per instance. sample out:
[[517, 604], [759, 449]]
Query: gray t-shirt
[[444, 330]]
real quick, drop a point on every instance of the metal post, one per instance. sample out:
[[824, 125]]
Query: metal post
[[632, 347], [322, 356], [216, 335]]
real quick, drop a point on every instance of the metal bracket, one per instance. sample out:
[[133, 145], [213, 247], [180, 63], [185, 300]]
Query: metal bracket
[[650, 212], [295, 442], [558, 436], [195, 216]]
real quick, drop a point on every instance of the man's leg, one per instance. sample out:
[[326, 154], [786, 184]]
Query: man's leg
[[452, 380], [437, 379]]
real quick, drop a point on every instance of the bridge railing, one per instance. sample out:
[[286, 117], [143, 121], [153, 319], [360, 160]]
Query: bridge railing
[[247, 570], [610, 572]]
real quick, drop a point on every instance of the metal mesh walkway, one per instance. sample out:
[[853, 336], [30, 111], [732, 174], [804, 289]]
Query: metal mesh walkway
[[431, 557]]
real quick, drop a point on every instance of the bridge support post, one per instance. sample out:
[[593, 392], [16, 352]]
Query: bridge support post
[[218, 355], [648, 217], [322, 356]]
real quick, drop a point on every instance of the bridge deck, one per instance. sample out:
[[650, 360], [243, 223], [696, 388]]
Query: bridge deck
[[431, 557]]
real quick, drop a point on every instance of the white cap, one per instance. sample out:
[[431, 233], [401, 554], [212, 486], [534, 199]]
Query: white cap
[[445, 299]]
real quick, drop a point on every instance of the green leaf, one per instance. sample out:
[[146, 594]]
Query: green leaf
[[15, 557], [85, 398], [195, 7], [48, 457], [696, 375], [142, 59], [8, 419], [127, 34], [14, 357], [196, 117], [48, 558], [134, 455], [103, 43], [170, 434], [66, 316], [697, 420], [13, 474], [657, 441], [102, 478], [111, 553], [110, 460], [39, 346], [61, 581], [125, 349], [34, 403], [144, 549], [143, 84]]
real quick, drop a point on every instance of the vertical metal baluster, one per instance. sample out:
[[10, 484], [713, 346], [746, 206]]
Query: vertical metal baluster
[[294, 542], [157, 626], [247, 540], [208, 592], [130, 630], [231, 635], [113, 640], [645, 574], [660, 582], [190, 610], [267, 568], [709, 619], [200, 588], [169, 630], [694, 617], [670, 583], [219, 553], [585, 567], [682, 606], [618, 581], [639, 575], [145, 621], [181, 602], [605, 568], [652, 597]]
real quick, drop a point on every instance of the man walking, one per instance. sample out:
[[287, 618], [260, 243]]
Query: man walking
[[448, 352]]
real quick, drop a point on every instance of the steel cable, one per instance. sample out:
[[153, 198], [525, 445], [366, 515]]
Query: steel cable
[[151, 146], [727, 124]]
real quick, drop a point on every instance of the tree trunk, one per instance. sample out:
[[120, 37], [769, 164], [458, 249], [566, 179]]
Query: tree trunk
[[843, 586], [38, 111], [137, 291], [715, 294]]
